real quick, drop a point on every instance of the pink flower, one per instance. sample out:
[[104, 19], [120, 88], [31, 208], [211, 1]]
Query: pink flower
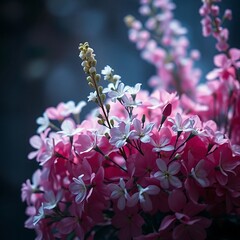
[[166, 175], [224, 65], [162, 141], [28, 189], [190, 226], [39, 143], [85, 142], [165, 158], [64, 110], [129, 222]]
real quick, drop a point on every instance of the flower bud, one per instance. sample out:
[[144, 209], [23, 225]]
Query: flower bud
[[167, 110]]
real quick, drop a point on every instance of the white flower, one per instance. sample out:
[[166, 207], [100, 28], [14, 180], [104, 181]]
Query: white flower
[[143, 197], [107, 72], [78, 188], [43, 122], [134, 90], [119, 192], [120, 134], [166, 175], [141, 133], [130, 102], [69, 128], [182, 126], [75, 109], [111, 87], [116, 77], [39, 216], [92, 96], [118, 92], [51, 199]]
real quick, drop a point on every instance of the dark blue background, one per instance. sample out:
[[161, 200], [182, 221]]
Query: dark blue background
[[40, 67]]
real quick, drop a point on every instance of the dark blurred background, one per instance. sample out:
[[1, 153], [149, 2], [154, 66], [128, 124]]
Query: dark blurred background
[[40, 67]]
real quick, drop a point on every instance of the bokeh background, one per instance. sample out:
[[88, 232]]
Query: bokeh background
[[40, 67]]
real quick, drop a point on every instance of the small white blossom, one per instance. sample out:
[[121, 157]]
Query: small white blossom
[[75, 109], [43, 122], [116, 77], [119, 192], [143, 197], [107, 72], [182, 126], [51, 199], [141, 133], [78, 188], [119, 92], [92, 96], [39, 216], [166, 174], [134, 90], [129, 102], [120, 134], [69, 128]]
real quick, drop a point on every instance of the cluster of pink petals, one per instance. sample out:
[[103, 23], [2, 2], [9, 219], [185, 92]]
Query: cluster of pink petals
[[165, 168], [170, 55], [212, 23], [86, 182]]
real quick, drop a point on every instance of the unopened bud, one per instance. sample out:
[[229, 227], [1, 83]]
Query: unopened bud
[[108, 107], [97, 77], [92, 70], [167, 110], [112, 122], [89, 79]]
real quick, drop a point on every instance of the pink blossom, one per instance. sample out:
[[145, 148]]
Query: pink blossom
[[129, 223], [85, 142], [62, 110], [162, 142], [191, 226], [143, 165], [38, 142], [28, 189]]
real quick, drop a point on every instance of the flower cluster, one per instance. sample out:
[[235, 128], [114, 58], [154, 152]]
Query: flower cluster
[[160, 165], [212, 23]]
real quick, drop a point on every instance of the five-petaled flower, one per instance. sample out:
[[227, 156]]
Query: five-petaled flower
[[78, 188], [167, 173]]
